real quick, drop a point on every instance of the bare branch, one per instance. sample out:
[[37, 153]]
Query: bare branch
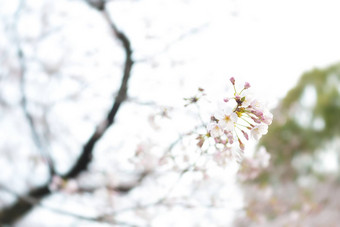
[[24, 101], [180, 38], [123, 188], [10, 214], [29, 117], [37, 202], [86, 156]]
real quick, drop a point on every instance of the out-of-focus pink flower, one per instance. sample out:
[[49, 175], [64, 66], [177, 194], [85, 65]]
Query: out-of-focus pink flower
[[251, 167], [263, 157], [230, 137], [56, 183], [71, 186], [222, 157]]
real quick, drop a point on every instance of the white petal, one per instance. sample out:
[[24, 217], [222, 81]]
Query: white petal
[[219, 115], [234, 117]]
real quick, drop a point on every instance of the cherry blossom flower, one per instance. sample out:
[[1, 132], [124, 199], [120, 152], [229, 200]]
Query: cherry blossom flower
[[258, 131], [215, 130], [59, 184], [247, 100], [222, 157], [267, 118], [56, 183], [251, 167], [256, 105], [226, 119], [239, 117]]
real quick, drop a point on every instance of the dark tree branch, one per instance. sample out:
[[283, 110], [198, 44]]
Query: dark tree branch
[[37, 202], [12, 213], [86, 156]]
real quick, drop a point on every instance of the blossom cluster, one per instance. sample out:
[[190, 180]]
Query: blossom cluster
[[60, 184], [251, 167], [242, 117]]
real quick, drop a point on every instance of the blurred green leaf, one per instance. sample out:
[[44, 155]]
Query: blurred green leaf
[[302, 125]]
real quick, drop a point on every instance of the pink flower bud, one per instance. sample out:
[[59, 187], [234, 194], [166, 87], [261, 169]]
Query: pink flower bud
[[246, 85], [226, 99], [232, 80], [258, 113], [256, 120], [241, 145], [230, 137], [238, 99], [245, 135], [231, 140]]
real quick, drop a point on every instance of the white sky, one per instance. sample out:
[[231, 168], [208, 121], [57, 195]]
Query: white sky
[[266, 42], [269, 43]]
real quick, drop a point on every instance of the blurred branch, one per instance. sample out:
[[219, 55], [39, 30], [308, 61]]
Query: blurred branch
[[10, 214], [136, 101], [178, 39], [37, 202], [86, 156], [24, 101], [123, 188], [29, 117], [163, 203]]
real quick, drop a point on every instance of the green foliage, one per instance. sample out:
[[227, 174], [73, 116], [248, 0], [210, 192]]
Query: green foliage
[[302, 128]]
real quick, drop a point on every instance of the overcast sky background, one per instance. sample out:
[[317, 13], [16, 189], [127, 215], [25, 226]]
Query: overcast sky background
[[178, 45], [269, 43]]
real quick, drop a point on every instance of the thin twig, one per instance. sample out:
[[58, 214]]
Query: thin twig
[[37, 202], [178, 39], [24, 101]]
